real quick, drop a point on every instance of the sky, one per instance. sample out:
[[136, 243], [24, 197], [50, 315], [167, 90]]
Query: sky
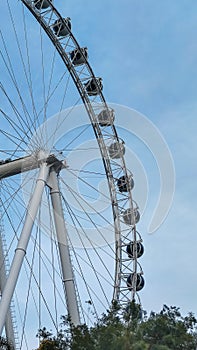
[[146, 53]]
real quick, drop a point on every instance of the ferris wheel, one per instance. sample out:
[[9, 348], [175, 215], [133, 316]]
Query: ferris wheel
[[68, 237]]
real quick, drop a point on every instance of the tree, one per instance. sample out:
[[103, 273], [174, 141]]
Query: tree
[[50, 342], [168, 328], [5, 345], [127, 329]]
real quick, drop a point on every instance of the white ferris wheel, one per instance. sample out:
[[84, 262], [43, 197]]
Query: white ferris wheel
[[68, 237]]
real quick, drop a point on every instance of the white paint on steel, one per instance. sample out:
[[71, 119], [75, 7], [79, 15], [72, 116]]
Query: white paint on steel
[[62, 237], [22, 244]]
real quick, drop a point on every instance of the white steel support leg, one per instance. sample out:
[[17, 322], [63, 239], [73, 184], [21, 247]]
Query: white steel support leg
[[22, 244], [62, 237]]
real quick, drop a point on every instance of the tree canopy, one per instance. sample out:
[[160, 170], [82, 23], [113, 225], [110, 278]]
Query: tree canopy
[[5, 345], [129, 329]]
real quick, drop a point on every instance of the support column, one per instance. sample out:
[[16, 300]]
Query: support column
[[62, 237], [22, 244]]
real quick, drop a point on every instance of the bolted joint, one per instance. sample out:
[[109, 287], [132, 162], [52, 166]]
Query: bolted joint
[[56, 164]]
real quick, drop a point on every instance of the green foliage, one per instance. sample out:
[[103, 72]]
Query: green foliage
[[170, 329], [50, 342], [140, 345], [160, 347], [127, 330], [82, 336], [5, 345]]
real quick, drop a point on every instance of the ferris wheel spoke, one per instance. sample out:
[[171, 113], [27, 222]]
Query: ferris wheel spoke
[[89, 175], [101, 276], [16, 213], [16, 128], [11, 74], [43, 298], [29, 72], [27, 299], [22, 126], [26, 70], [15, 141], [88, 262], [84, 202], [59, 122], [12, 192], [75, 221], [48, 265]]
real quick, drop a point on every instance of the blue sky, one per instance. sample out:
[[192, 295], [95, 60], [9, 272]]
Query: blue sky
[[146, 53]]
